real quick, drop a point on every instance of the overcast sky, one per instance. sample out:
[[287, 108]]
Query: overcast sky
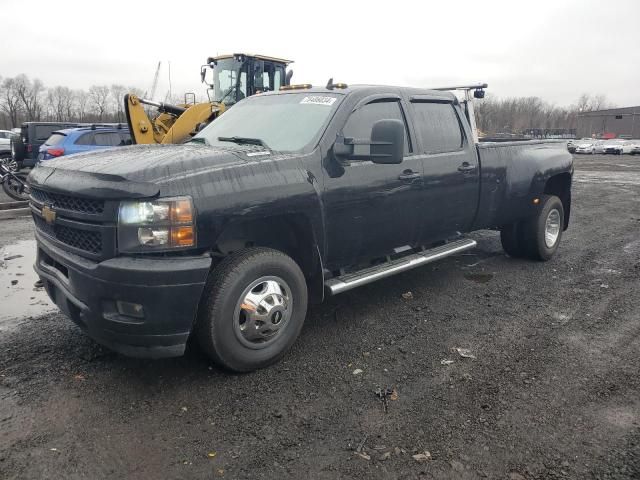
[[552, 49]]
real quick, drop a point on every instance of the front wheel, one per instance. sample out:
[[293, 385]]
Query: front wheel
[[254, 305], [16, 187], [7, 161]]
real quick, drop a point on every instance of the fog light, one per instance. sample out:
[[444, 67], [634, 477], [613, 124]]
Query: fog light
[[129, 309]]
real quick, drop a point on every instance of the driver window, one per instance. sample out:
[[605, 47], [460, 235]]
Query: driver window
[[361, 122]]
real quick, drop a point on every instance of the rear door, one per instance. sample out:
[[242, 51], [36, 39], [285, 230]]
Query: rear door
[[451, 170], [370, 209]]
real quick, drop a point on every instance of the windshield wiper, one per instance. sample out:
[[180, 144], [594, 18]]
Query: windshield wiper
[[244, 141]]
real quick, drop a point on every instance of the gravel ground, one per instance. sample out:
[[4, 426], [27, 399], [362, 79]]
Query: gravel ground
[[553, 390]]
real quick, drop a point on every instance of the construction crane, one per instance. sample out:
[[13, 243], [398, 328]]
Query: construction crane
[[229, 79], [154, 85]]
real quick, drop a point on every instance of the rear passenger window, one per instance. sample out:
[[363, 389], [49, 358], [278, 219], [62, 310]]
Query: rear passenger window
[[109, 139], [86, 139], [361, 122], [438, 127]]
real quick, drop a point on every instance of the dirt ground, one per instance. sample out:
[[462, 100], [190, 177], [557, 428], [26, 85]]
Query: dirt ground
[[553, 390]]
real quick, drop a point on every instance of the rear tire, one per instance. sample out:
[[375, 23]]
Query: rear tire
[[510, 237], [253, 309], [541, 234]]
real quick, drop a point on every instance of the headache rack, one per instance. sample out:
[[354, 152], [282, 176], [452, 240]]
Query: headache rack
[[478, 92]]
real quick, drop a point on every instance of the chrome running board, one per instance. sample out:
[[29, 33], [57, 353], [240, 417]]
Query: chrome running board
[[362, 277]]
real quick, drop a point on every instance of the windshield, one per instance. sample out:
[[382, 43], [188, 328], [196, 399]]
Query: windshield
[[286, 123], [229, 81]]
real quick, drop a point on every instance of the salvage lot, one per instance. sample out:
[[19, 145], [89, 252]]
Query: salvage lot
[[553, 391]]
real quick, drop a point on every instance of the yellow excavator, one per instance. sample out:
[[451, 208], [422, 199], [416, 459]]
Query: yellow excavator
[[229, 79]]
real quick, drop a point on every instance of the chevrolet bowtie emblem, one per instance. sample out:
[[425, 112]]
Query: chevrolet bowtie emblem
[[49, 214]]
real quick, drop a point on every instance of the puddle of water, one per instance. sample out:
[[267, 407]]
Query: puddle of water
[[19, 299], [479, 277]]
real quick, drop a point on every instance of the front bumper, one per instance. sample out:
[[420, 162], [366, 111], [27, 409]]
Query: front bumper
[[168, 288]]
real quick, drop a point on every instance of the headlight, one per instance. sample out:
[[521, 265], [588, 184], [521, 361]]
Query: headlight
[[156, 225]]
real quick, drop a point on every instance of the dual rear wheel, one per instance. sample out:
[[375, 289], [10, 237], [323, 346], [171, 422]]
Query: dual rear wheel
[[537, 237]]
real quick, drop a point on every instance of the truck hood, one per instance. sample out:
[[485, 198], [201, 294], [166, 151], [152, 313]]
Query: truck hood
[[136, 171]]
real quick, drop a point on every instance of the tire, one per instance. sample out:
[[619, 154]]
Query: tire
[[9, 162], [511, 239], [228, 313], [535, 242], [14, 188]]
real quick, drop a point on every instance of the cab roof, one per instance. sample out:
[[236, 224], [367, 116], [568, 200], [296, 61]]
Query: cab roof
[[367, 90], [259, 57]]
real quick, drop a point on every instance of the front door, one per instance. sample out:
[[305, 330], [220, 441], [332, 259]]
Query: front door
[[371, 209]]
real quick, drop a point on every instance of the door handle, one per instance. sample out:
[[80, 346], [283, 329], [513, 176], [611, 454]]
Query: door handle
[[466, 167], [409, 175]]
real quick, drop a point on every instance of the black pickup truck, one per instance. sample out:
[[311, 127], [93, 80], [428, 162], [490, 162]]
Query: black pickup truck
[[286, 198]]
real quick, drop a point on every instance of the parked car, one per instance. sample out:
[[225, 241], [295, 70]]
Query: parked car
[[25, 147], [83, 139], [614, 146], [627, 146], [572, 144], [585, 147], [287, 197], [635, 147], [5, 150], [598, 146]]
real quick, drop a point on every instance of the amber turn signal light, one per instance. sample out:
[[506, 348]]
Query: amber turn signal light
[[182, 236]]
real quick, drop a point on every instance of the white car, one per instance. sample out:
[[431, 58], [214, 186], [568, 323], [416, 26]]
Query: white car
[[585, 147], [598, 146], [627, 147], [5, 136], [614, 146]]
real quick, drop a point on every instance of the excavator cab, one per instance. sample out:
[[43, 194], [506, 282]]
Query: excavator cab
[[230, 78]]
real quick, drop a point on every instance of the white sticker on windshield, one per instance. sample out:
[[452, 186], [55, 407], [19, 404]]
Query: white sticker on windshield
[[318, 100]]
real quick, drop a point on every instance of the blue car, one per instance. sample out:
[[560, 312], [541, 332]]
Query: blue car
[[83, 139]]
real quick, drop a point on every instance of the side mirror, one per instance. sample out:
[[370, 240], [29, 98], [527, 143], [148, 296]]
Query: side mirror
[[387, 141]]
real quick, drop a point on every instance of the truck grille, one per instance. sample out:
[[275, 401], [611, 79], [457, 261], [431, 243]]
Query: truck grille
[[67, 202], [86, 240]]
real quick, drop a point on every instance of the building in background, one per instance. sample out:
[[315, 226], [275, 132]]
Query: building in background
[[610, 123]]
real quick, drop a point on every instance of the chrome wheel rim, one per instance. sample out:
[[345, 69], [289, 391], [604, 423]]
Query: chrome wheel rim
[[552, 228], [10, 163], [263, 311]]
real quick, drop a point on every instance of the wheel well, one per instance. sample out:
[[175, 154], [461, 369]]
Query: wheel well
[[290, 234], [560, 186]]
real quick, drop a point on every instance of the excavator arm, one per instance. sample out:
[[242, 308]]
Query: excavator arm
[[173, 124]]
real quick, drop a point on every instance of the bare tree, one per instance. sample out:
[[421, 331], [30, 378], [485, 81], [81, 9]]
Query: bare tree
[[10, 102], [60, 100], [80, 104], [117, 95], [30, 94], [99, 96]]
